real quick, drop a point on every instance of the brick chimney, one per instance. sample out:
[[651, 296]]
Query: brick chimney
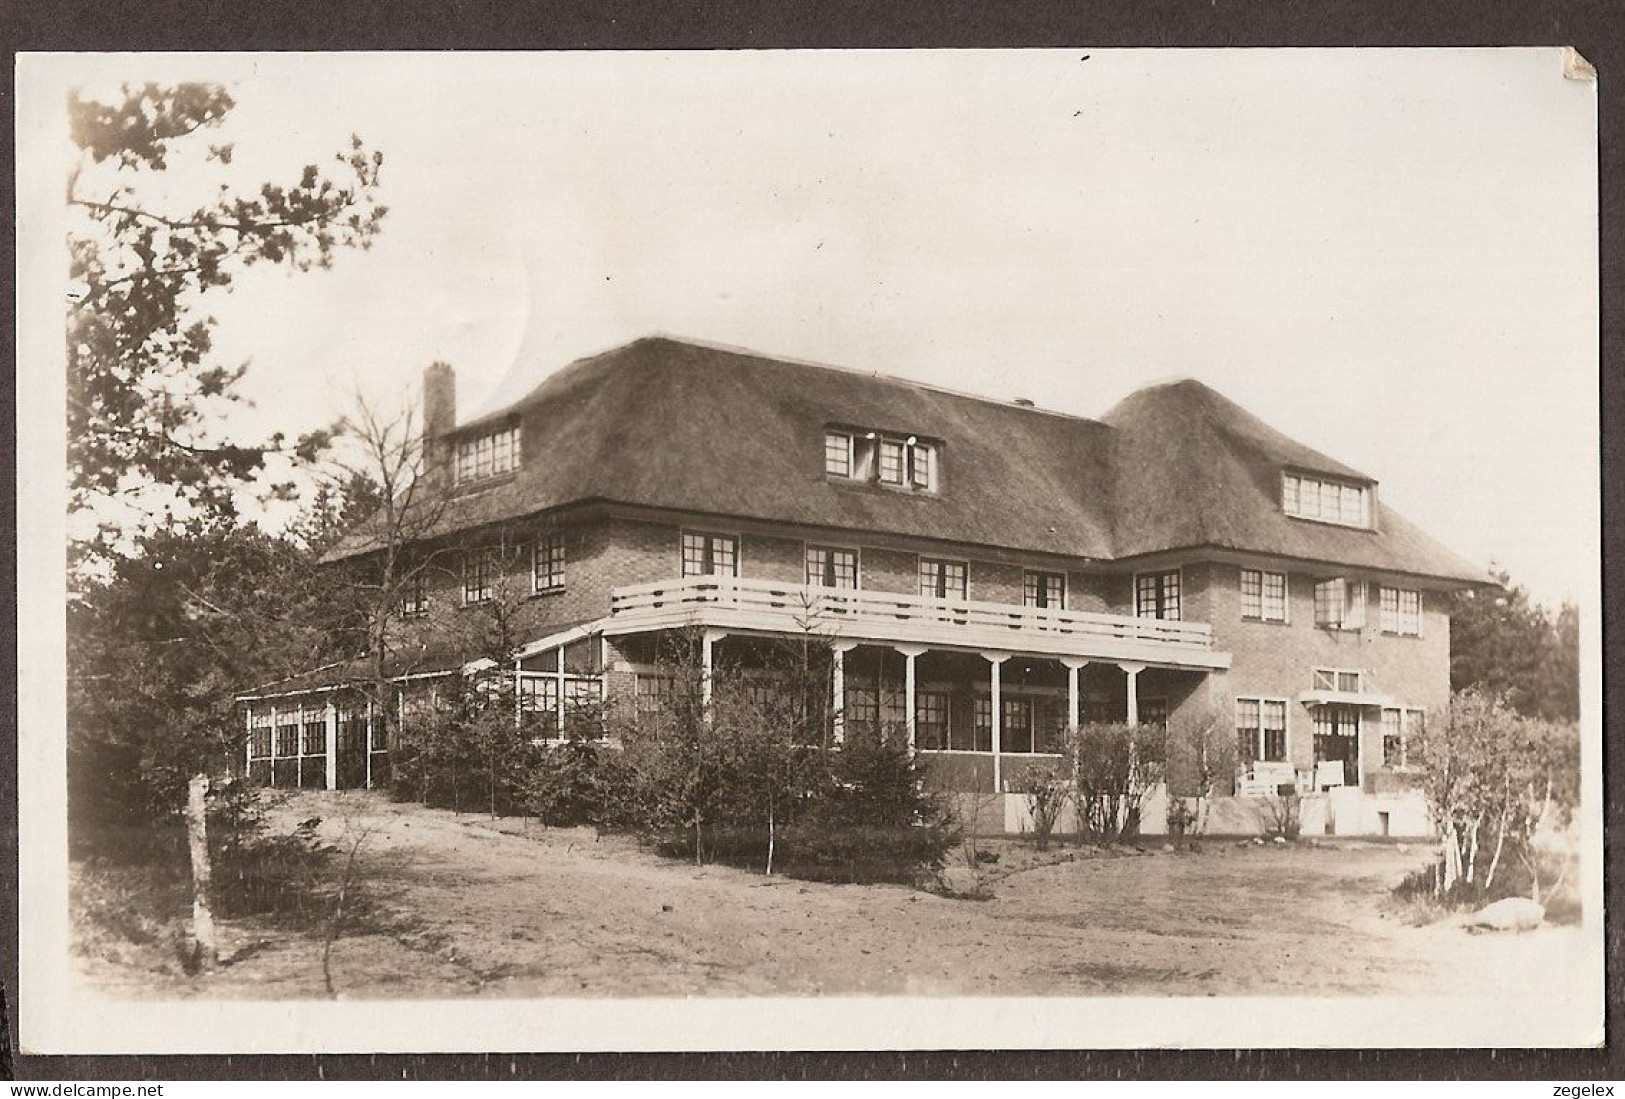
[[439, 406]]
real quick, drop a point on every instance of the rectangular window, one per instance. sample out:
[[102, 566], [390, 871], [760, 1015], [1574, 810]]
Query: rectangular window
[[1338, 679], [1156, 595], [930, 720], [489, 455], [862, 710], [942, 579], [922, 466], [654, 693], [837, 454], [1340, 604], [547, 564], [1401, 611], [1153, 711], [981, 726], [1263, 595], [1399, 727], [1326, 501], [828, 567], [1016, 725], [1261, 730], [710, 554], [480, 567], [1044, 589], [414, 596], [891, 462]]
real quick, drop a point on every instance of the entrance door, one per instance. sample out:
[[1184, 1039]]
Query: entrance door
[[1337, 740]]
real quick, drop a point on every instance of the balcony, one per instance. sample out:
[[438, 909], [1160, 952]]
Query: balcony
[[876, 617]]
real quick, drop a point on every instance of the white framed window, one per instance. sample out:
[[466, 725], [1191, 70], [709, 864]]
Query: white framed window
[[931, 733], [941, 579], [1340, 604], [706, 554], [414, 601], [893, 462], [1326, 500], [490, 454], [1044, 589], [1346, 680], [1401, 611], [838, 453], [481, 568], [1156, 595], [1261, 730], [1263, 595], [922, 466], [831, 567], [547, 564]]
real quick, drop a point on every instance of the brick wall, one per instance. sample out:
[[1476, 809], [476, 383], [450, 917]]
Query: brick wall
[[1277, 659]]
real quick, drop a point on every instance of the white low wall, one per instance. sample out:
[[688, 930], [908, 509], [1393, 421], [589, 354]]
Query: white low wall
[[1345, 812]]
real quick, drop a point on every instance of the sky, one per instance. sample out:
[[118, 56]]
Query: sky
[[1389, 255]]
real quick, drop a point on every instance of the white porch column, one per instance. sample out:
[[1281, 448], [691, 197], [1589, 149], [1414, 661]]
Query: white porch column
[[1073, 665], [299, 746], [332, 745], [910, 652], [995, 662], [370, 720], [518, 708], [558, 692], [1133, 672], [837, 676], [708, 641], [271, 779], [248, 745]]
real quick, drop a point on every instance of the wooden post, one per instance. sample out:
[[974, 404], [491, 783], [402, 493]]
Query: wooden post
[[248, 747], [299, 745], [837, 677], [204, 947], [910, 652], [558, 693], [1133, 671], [332, 745], [1073, 666], [370, 719], [995, 662], [271, 781]]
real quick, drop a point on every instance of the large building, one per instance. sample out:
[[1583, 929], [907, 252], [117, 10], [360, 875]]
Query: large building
[[986, 570]]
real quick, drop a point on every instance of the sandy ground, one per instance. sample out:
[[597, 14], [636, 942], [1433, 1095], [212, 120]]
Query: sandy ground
[[469, 906]]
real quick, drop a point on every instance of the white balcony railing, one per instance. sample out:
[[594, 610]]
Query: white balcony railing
[[750, 604]]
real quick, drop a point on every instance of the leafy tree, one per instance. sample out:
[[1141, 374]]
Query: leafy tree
[[1505, 645], [145, 393]]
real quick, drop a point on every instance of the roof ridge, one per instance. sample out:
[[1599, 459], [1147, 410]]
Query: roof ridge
[[783, 360]]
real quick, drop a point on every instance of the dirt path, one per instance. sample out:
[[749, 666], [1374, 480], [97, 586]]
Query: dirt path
[[468, 906]]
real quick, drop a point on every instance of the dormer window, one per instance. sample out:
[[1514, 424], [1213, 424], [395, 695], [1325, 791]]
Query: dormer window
[[489, 454], [903, 462], [1346, 503]]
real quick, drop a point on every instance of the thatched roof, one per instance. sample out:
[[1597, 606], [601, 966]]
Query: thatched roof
[[677, 425]]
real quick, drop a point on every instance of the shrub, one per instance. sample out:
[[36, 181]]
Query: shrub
[[1114, 768], [563, 783], [1046, 788]]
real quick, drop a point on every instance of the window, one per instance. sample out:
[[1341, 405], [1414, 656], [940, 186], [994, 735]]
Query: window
[[1399, 727], [1044, 589], [1263, 595], [1338, 679], [313, 739], [488, 455], [654, 693], [1326, 501], [837, 454], [1401, 611], [547, 564], [480, 567], [943, 579], [1156, 595], [1340, 604], [710, 554], [981, 727], [1261, 730], [930, 721], [891, 462], [1154, 711], [259, 740], [832, 568], [414, 596]]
